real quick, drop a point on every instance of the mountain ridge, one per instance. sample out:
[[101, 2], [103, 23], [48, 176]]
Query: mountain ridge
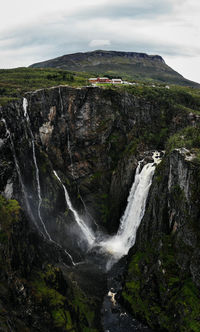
[[128, 65]]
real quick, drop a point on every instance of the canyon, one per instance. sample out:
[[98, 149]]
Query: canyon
[[69, 250]]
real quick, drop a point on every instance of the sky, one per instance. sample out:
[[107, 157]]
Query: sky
[[44, 29]]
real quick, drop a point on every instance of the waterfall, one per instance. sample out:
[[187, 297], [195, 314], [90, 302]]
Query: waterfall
[[68, 138], [85, 229], [25, 106], [119, 244], [71, 162], [61, 103], [19, 174]]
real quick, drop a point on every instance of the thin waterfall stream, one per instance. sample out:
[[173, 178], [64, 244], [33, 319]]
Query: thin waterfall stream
[[72, 166], [90, 237], [25, 106], [19, 175]]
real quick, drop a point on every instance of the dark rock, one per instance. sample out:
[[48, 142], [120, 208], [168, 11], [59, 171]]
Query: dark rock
[[93, 138]]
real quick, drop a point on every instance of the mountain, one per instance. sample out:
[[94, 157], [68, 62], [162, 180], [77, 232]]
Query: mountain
[[128, 65]]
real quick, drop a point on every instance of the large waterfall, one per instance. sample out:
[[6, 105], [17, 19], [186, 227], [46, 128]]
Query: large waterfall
[[119, 244]]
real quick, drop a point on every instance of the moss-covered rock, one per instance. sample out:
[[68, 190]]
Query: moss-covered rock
[[162, 282], [158, 292]]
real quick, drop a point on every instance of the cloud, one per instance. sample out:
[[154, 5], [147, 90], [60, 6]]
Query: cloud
[[99, 43], [169, 28], [129, 9]]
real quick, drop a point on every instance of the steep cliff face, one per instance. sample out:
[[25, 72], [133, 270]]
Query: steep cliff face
[[163, 278], [90, 135], [92, 138]]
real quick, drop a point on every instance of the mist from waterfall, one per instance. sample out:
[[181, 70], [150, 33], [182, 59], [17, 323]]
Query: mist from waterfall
[[118, 245], [86, 231]]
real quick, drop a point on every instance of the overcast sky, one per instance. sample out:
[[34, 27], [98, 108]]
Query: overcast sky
[[43, 29]]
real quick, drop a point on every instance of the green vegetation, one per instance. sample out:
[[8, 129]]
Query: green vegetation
[[188, 138], [180, 97], [9, 215], [84, 308], [69, 308], [158, 292], [15, 82], [47, 292], [180, 100], [131, 148]]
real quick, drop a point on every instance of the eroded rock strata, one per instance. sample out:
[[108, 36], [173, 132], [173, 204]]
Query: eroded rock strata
[[93, 138]]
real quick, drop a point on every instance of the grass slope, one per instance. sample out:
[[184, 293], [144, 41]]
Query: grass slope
[[15, 82]]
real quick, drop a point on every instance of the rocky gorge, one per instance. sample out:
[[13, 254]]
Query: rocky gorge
[[81, 146]]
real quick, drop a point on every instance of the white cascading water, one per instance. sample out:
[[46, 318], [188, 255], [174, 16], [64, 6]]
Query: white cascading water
[[89, 236], [119, 244], [71, 162], [61, 102], [25, 106], [68, 137]]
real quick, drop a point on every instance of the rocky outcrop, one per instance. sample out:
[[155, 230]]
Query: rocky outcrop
[[163, 278]]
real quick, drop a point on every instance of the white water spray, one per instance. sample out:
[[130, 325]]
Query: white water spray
[[90, 237], [119, 244]]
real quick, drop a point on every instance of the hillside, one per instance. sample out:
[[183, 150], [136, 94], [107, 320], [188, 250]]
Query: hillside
[[15, 82], [128, 65]]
